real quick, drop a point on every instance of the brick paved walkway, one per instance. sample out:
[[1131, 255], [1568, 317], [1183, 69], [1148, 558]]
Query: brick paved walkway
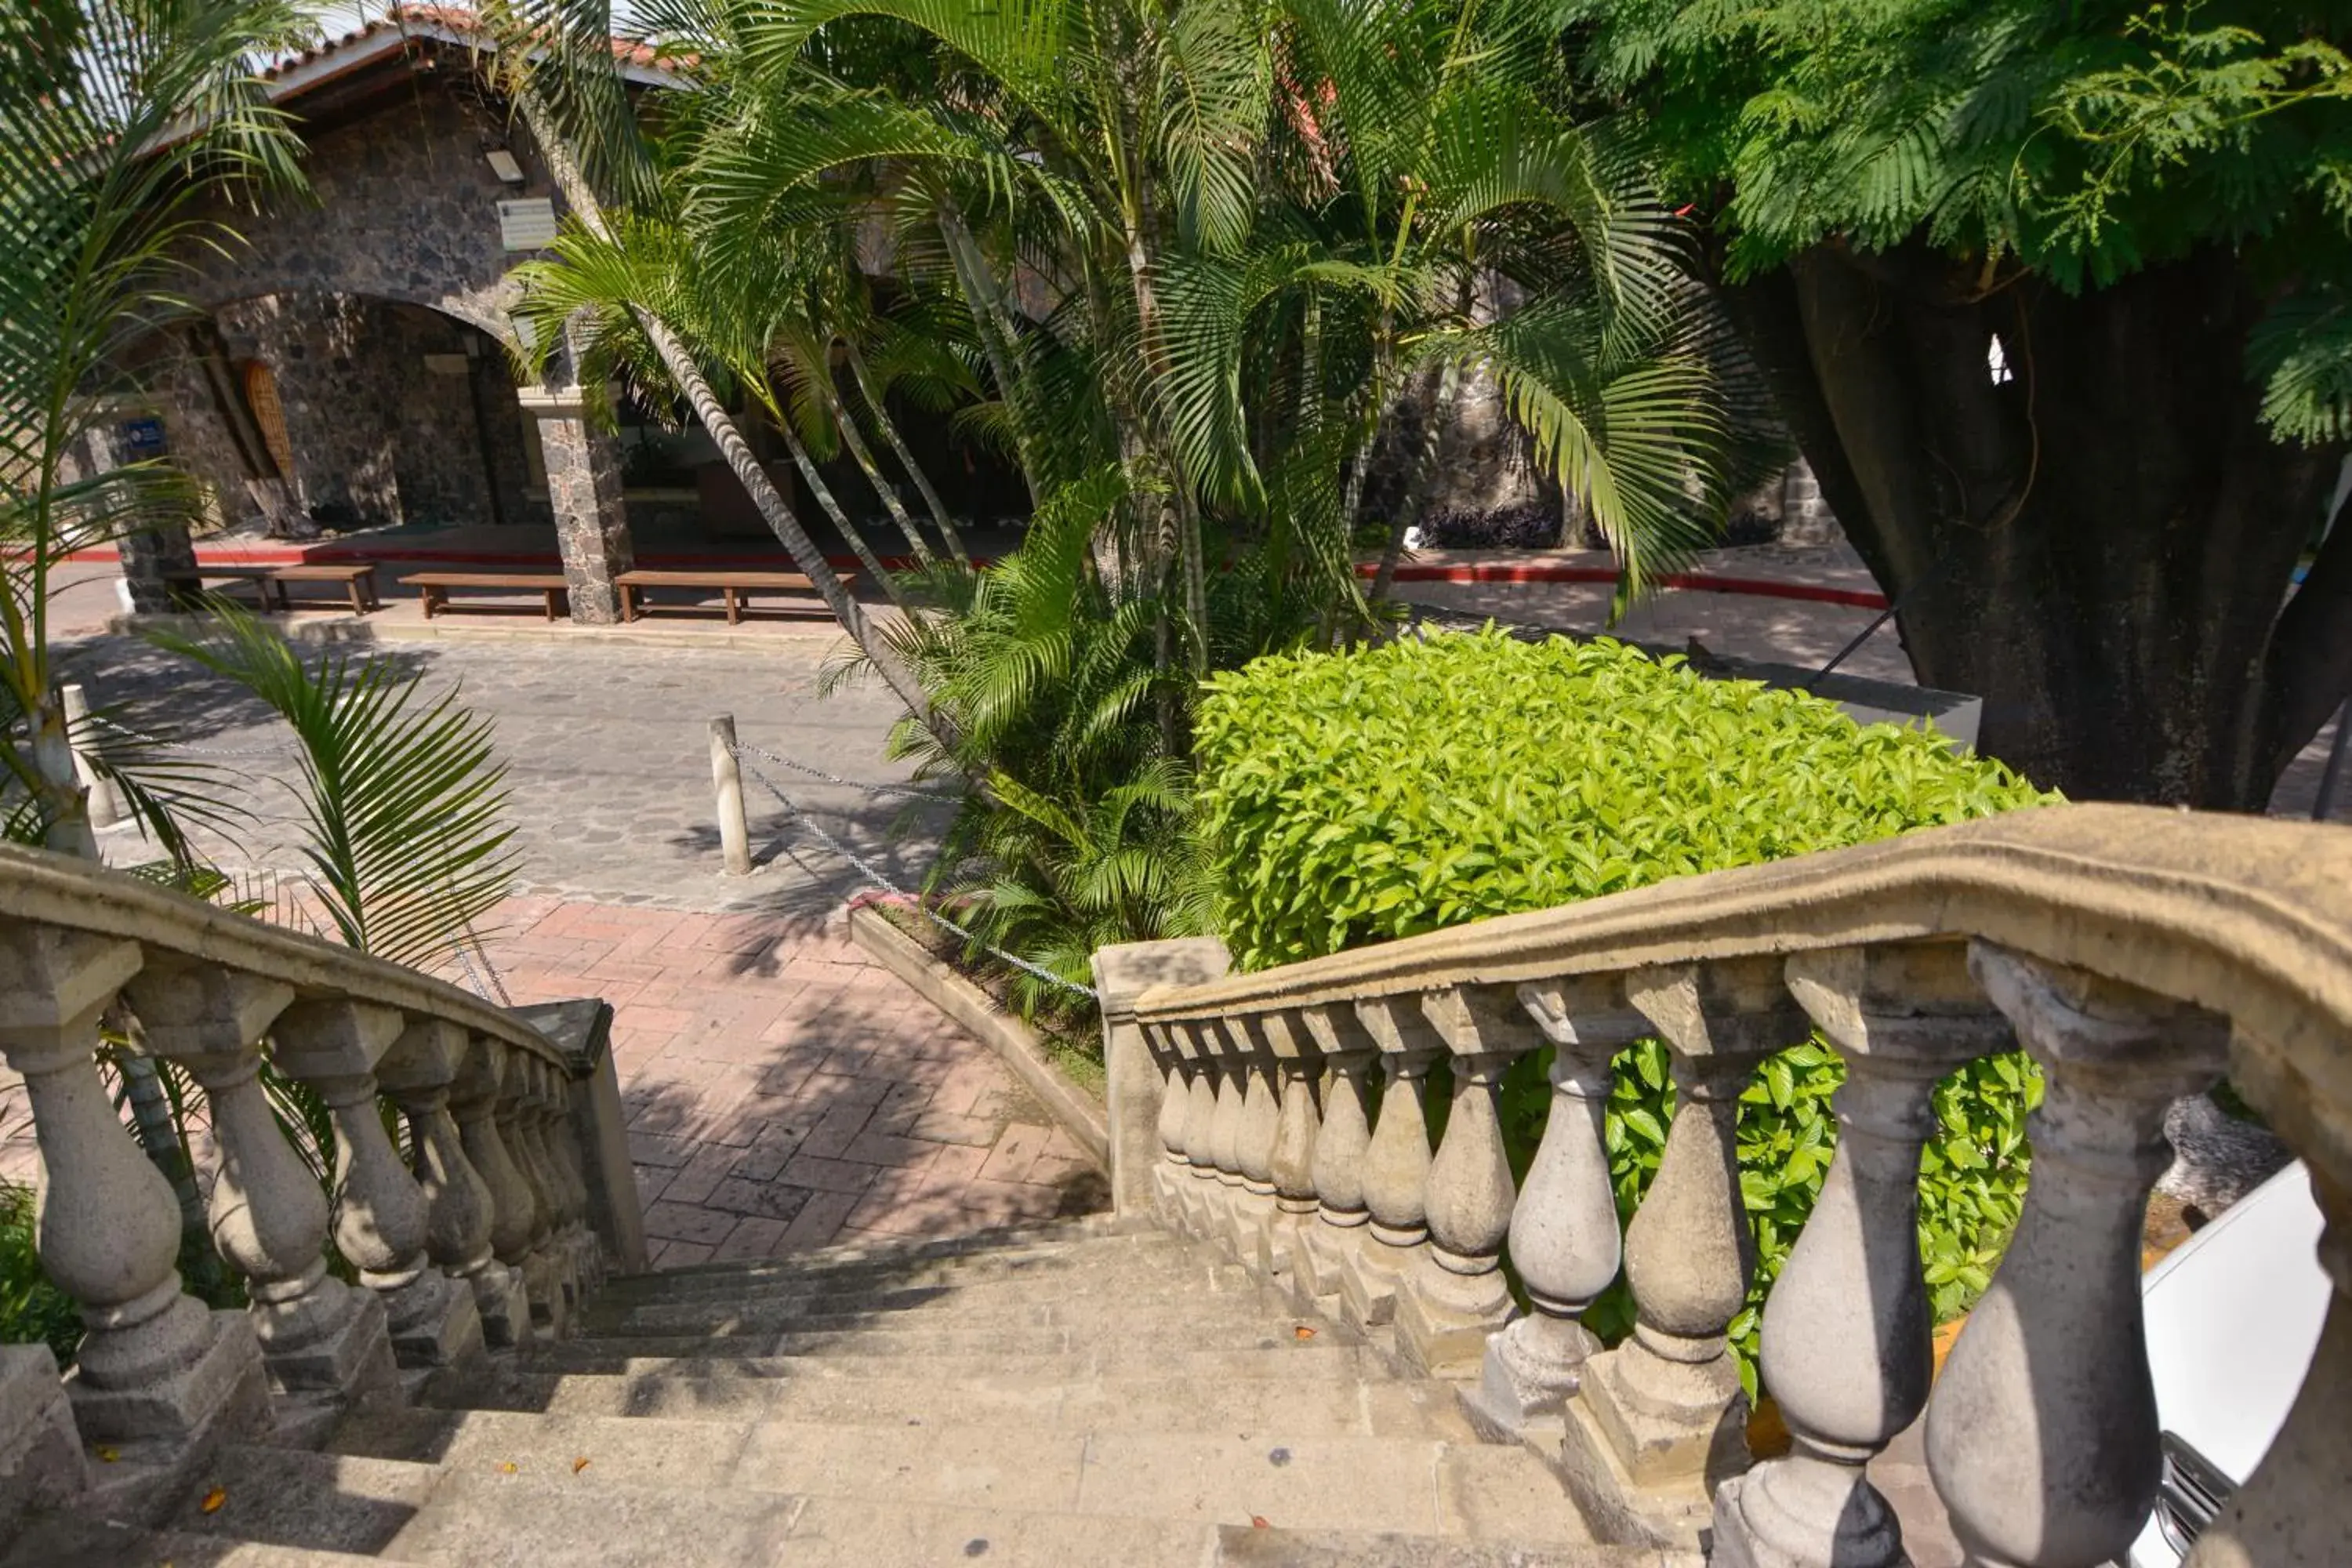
[[785, 1092]]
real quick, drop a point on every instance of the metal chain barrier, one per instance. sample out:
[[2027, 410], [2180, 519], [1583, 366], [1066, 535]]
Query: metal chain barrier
[[881, 879], [285, 749], [742, 747]]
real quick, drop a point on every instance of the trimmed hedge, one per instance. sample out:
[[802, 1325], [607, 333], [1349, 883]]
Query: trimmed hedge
[[1352, 798], [1346, 799]]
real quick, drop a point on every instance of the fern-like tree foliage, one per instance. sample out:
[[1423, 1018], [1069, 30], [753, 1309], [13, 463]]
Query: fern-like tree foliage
[[120, 122], [402, 797], [2054, 295]]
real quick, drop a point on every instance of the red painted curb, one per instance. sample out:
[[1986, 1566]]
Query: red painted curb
[[1699, 582], [1432, 571]]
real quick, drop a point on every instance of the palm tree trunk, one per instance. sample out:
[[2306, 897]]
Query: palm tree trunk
[[839, 514], [889, 428], [883, 490], [987, 307], [729, 439]]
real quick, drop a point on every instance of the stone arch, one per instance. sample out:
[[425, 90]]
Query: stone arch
[[390, 412]]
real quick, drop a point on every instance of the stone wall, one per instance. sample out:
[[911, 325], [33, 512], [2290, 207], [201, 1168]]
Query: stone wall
[[393, 413], [403, 208]]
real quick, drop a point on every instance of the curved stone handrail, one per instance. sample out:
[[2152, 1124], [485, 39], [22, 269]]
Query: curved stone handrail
[[475, 1233], [2135, 953], [41, 888], [2249, 916]]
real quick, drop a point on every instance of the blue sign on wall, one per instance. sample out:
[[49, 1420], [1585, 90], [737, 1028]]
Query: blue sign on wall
[[142, 439]]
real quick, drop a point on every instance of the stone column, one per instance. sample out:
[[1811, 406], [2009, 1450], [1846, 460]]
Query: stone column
[[154, 1370], [382, 1221], [1341, 1144], [1396, 1164], [1292, 1167], [1137, 1071], [159, 563], [1456, 1296], [324, 1342], [1847, 1329], [500, 1291], [427, 1067], [1564, 1239], [2041, 1434], [583, 490], [1660, 1421]]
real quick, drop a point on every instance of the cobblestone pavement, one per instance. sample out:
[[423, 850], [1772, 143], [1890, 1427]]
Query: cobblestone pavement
[[608, 757]]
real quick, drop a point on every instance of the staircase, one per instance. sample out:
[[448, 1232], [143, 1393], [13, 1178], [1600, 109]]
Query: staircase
[[1095, 1393]]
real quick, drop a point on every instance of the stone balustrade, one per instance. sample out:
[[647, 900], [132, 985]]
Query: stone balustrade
[[479, 1231], [2137, 955]]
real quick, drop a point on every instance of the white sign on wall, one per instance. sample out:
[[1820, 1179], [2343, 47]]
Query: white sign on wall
[[527, 222]]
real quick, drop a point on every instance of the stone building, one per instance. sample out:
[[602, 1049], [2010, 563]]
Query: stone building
[[351, 363]]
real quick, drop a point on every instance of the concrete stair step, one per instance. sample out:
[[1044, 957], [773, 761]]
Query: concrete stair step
[[1164, 1271], [1418, 1485], [861, 1265], [487, 1516], [1271, 1548], [1322, 1357], [1159, 1312], [68, 1541], [861, 1337], [1232, 1405]]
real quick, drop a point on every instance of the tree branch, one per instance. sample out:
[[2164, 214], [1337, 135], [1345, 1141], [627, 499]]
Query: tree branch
[[2307, 670]]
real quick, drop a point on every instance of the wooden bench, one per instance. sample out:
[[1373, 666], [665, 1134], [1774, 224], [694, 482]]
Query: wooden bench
[[735, 586], [269, 582], [433, 588]]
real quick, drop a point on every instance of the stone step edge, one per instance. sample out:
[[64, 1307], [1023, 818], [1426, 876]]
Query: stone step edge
[[1489, 1553]]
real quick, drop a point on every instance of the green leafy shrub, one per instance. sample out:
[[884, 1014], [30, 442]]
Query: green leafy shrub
[[1346, 799], [32, 1310], [1355, 798]]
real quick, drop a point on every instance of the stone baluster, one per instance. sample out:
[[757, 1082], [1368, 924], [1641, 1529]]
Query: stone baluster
[[500, 1291], [1396, 1164], [1456, 1295], [1564, 1239], [1661, 1419], [560, 1135], [2295, 1508], [154, 1369], [1175, 1109], [1292, 1166], [555, 1240], [1337, 1170], [542, 1275], [1224, 1133], [425, 1072], [1199, 1125], [1261, 1120], [381, 1217], [324, 1342], [2041, 1434], [1847, 1326]]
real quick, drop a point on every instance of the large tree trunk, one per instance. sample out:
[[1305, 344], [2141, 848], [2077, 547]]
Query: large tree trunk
[[2101, 545]]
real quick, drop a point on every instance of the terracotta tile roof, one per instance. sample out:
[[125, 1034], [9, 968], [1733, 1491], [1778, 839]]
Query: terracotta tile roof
[[438, 23]]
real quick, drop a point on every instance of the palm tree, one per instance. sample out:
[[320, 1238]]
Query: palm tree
[[524, 67], [124, 127]]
